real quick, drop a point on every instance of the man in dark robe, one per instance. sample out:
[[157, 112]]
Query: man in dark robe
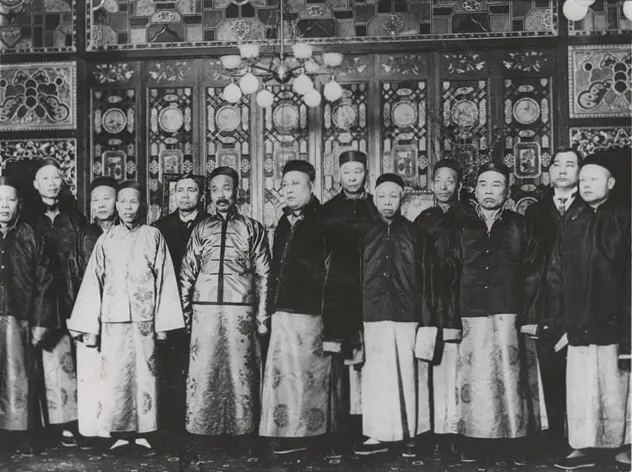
[[27, 313], [53, 214], [440, 222], [588, 282], [548, 218], [176, 228], [345, 217]]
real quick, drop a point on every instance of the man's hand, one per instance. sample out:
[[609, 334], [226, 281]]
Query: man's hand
[[38, 334], [90, 340], [161, 336]]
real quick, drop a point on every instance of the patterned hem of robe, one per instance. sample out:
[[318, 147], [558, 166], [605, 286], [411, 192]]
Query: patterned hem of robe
[[395, 391], [499, 386], [17, 376], [223, 380], [597, 397], [88, 362], [60, 379], [296, 393], [444, 391]]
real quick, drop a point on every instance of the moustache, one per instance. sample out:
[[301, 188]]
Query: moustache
[[222, 201]]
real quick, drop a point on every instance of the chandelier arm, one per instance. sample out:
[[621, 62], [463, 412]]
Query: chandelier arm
[[267, 79], [265, 69], [295, 68]]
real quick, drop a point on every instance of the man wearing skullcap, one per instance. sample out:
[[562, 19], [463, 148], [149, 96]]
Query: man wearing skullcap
[[399, 312], [346, 216], [128, 299], [223, 284], [496, 264], [296, 391], [53, 213], [588, 290], [28, 315], [440, 222], [176, 228], [103, 208]]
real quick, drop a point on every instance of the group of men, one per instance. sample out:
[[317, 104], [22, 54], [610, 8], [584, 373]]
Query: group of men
[[448, 324]]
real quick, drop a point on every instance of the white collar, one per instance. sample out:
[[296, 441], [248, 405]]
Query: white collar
[[189, 218]]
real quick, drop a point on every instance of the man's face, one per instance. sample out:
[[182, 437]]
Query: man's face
[[595, 184], [352, 175], [297, 189], [564, 170], [48, 181], [187, 194], [445, 184], [491, 190], [102, 202], [9, 203], [223, 193], [128, 205], [388, 198]]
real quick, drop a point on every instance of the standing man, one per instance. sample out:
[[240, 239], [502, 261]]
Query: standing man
[[346, 217], [174, 356], [54, 215], [441, 221], [399, 313], [296, 390], [548, 218], [224, 282], [27, 315], [103, 204], [588, 284], [498, 266], [128, 299]]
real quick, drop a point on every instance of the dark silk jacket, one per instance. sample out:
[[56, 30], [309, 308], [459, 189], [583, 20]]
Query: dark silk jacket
[[345, 220], [588, 279], [26, 278], [80, 255], [398, 273]]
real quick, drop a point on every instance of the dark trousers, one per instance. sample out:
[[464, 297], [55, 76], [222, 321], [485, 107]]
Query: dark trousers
[[174, 365]]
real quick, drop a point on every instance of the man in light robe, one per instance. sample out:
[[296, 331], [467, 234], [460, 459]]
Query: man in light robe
[[27, 314], [398, 307], [53, 214], [498, 267], [588, 290], [296, 401], [440, 222], [103, 205], [224, 282], [345, 217], [176, 228], [128, 299]]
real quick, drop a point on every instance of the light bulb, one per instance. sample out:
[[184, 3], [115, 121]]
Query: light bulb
[[303, 84], [265, 99], [573, 11], [627, 9], [249, 51], [302, 51], [332, 59], [584, 3], [312, 99], [232, 93], [249, 83], [332, 91], [230, 62]]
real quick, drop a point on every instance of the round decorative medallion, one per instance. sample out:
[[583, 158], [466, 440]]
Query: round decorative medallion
[[171, 119], [464, 113], [524, 203], [404, 114], [114, 120], [526, 111], [286, 116], [227, 118], [345, 116]]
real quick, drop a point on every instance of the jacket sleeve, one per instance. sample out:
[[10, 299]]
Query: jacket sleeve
[[534, 263], [260, 254], [553, 316], [625, 322], [189, 271], [274, 270], [168, 315], [44, 312], [427, 268]]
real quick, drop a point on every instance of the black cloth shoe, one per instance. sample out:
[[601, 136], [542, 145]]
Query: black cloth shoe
[[370, 449], [469, 458], [288, 448], [69, 440], [575, 463]]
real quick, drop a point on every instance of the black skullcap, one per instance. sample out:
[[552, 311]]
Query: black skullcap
[[131, 184], [396, 179], [43, 162], [494, 166], [449, 163], [5, 180], [300, 166], [607, 159], [221, 170], [104, 181], [352, 156]]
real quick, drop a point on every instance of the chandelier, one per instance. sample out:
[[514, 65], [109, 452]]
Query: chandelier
[[282, 68]]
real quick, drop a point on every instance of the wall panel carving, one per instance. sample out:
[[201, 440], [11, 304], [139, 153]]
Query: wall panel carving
[[587, 139], [38, 96]]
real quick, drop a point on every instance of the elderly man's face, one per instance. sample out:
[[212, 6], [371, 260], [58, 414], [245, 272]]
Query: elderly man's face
[[352, 175], [128, 205], [297, 189], [388, 199], [187, 194], [223, 193], [445, 183], [9, 203], [48, 181], [491, 190], [103, 202], [564, 170], [595, 183]]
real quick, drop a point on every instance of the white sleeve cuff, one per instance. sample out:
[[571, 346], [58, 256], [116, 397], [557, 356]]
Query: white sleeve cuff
[[332, 346], [452, 335], [425, 342]]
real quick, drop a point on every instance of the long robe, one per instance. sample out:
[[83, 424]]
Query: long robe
[[128, 293]]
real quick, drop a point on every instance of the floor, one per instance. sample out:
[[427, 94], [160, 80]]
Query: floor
[[197, 456]]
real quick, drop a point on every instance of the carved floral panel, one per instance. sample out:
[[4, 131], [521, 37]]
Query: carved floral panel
[[587, 139]]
